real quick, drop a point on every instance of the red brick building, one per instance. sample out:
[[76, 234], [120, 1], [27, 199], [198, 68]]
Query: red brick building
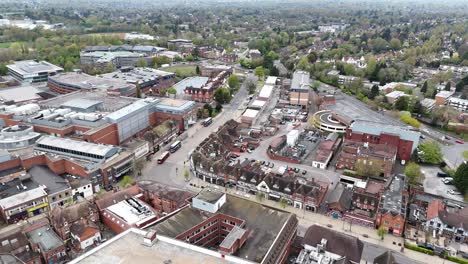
[[16, 243], [233, 223], [44, 240], [125, 209], [404, 139], [392, 206], [164, 199], [62, 219], [367, 154]]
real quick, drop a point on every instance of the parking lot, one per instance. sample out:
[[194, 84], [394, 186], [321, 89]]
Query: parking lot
[[434, 185]]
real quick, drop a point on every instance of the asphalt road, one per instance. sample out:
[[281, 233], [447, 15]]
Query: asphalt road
[[171, 172]]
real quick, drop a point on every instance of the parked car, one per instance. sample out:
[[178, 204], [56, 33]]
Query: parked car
[[271, 165], [296, 170], [453, 192], [422, 137], [447, 180], [459, 141], [442, 174], [304, 172], [249, 150], [267, 164]]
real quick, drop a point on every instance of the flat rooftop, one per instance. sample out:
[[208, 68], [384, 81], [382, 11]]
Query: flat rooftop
[[174, 105], [209, 196], [21, 93], [45, 237], [195, 82], [392, 198], [132, 211], [81, 146], [136, 75], [109, 103], [44, 176], [128, 248], [264, 222], [31, 67], [300, 80], [252, 113], [86, 81]]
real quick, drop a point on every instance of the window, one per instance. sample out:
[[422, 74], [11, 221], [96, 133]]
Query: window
[[397, 225], [386, 222]]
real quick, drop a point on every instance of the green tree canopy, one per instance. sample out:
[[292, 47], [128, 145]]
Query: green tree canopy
[[222, 95], [259, 72], [233, 81], [430, 152], [402, 103], [172, 90], [460, 178], [374, 91], [413, 173]]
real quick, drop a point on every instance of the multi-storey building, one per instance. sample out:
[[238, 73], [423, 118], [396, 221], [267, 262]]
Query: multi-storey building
[[32, 71], [219, 219], [45, 241], [392, 207], [404, 139], [77, 81], [23, 198]]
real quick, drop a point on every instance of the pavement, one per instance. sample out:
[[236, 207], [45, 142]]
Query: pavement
[[171, 172]]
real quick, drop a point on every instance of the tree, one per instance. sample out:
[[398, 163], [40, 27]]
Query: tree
[[368, 167], [197, 70], [413, 173], [402, 103], [150, 137], [460, 178], [186, 175], [447, 86], [137, 166], [283, 202], [3, 69], [374, 91], [141, 62], [424, 88], [410, 120], [222, 95], [461, 84], [260, 196], [126, 181], [259, 72], [171, 90], [381, 232], [429, 152], [233, 81], [252, 87], [395, 44], [312, 57]]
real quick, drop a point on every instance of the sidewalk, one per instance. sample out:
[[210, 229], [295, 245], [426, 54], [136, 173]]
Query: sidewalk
[[307, 218]]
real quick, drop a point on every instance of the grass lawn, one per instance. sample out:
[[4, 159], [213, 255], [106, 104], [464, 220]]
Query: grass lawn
[[5, 45], [465, 154], [181, 71]]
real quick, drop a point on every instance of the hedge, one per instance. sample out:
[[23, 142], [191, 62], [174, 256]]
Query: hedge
[[419, 249], [457, 260]]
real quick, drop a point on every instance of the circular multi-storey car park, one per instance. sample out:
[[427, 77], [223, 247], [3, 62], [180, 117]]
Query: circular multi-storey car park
[[325, 121]]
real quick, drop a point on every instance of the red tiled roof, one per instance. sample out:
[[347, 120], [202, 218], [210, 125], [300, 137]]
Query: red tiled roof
[[434, 208]]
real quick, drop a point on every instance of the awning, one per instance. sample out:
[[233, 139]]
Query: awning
[[37, 207]]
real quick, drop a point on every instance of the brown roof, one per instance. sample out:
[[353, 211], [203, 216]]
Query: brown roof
[[338, 243], [16, 239], [84, 231], [457, 218], [166, 192], [434, 208], [113, 198], [70, 214]]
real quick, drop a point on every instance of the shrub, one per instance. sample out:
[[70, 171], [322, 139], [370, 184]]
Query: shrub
[[419, 249], [457, 260]]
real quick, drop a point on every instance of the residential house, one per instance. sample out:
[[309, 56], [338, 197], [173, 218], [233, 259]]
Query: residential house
[[62, 219], [446, 221], [16, 243]]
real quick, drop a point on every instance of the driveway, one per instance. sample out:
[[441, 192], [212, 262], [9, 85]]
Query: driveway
[[433, 184]]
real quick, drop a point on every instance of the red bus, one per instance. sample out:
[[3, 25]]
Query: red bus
[[163, 157]]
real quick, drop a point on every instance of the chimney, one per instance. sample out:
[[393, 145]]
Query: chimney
[[150, 238]]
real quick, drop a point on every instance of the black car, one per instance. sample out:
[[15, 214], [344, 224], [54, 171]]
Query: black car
[[442, 174]]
